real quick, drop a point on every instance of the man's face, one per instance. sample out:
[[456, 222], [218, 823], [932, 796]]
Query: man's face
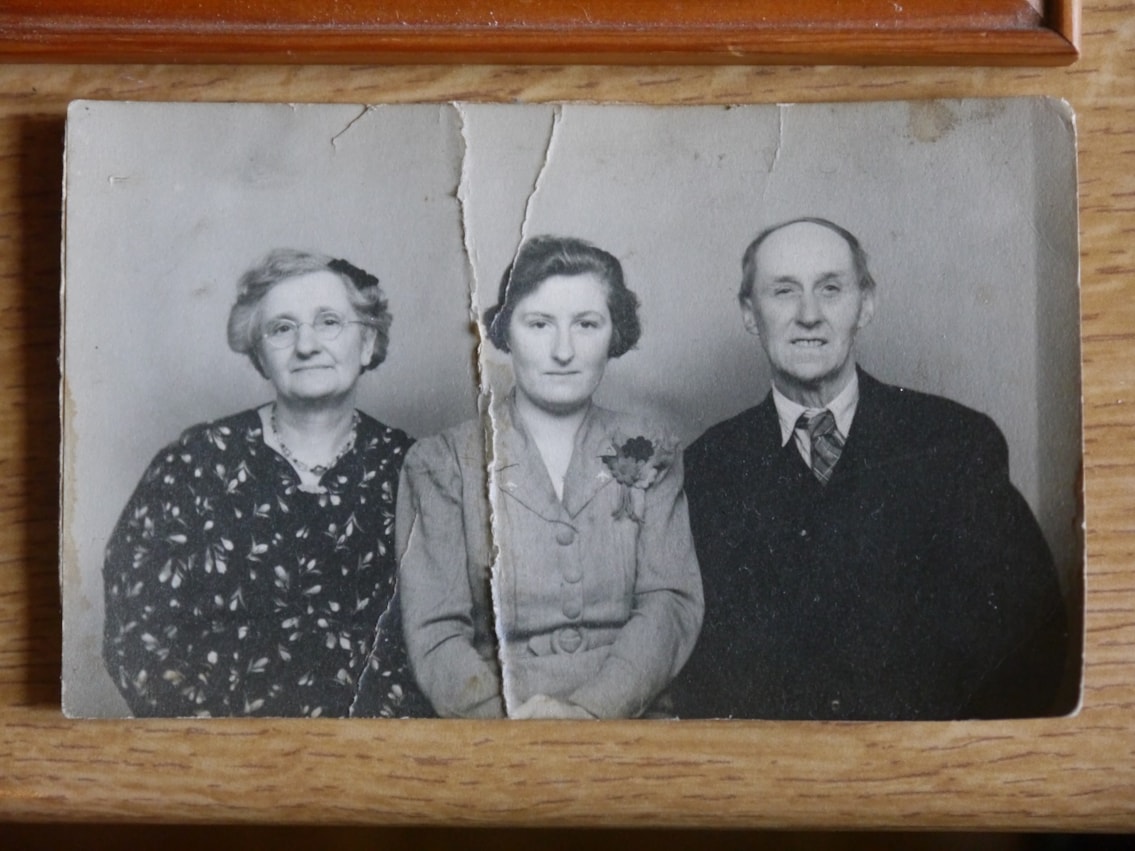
[[807, 306]]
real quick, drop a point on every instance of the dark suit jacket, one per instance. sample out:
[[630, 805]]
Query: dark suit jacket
[[915, 585]]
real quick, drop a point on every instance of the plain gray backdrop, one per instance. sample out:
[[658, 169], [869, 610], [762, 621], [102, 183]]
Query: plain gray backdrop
[[967, 210]]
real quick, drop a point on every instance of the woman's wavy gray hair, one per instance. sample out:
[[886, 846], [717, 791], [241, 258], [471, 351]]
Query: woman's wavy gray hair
[[363, 292]]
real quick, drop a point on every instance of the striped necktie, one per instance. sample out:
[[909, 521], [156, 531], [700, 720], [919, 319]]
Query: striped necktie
[[827, 442]]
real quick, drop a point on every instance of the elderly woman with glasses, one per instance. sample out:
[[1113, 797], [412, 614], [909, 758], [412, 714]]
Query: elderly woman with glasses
[[248, 571]]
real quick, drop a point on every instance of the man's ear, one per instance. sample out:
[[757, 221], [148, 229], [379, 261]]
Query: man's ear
[[866, 309], [749, 316]]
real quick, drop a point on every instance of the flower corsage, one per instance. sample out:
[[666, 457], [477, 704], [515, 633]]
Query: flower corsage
[[636, 463]]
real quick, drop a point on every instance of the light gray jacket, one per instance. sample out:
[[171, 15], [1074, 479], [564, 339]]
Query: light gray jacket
[[599, 610]]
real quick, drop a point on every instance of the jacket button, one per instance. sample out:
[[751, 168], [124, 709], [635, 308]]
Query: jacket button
[[568, 640], [572, 609], [573, 573], [565, 536]]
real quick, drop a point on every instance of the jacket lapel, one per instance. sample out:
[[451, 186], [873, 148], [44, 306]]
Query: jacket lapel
[[587, 473], [519, 469], [522, 475], [867, 444]]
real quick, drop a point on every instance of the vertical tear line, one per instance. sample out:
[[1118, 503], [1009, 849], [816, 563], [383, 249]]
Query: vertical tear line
[[461, 193], [557, 117], [484, 388], [369, 668], [493, 433], [493, 487], [367, 671], [480, 365]]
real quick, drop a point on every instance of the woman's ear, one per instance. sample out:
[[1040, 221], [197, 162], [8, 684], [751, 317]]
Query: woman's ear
[[366, 352]]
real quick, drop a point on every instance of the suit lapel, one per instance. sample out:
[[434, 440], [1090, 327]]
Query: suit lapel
[[868, 444], [764, 442]]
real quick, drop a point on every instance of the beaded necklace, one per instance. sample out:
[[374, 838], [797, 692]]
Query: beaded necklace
[[316, 469]]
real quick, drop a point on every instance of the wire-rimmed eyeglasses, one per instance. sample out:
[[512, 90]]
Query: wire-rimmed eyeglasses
[[283, 333]]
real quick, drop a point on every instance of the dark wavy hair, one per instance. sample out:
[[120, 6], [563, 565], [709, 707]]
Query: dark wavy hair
[[543, 257], [281, 264], [858, 255]]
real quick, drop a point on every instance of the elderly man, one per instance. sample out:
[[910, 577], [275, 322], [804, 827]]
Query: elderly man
[[864, 553]]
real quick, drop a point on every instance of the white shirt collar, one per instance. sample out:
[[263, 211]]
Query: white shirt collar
[[842, 407]]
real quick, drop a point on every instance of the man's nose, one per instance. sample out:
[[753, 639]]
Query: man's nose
[[564, 348], [808, 310]]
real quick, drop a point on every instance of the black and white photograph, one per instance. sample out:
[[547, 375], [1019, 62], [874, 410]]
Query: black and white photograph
[[571, 411]]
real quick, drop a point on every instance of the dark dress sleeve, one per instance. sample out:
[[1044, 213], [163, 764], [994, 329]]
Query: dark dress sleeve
[[153, 616]]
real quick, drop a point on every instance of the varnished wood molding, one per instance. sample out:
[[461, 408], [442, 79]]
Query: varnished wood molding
[[972, 32]]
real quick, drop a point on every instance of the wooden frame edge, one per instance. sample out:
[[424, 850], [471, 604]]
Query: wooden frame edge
[[163, 37]]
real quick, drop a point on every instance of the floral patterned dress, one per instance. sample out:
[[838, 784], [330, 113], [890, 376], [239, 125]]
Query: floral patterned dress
[[231, 591]]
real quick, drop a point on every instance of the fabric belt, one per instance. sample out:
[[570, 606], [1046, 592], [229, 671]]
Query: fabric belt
[[566, 640]]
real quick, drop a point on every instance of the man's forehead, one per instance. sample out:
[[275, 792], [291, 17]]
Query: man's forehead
[[803, 247]]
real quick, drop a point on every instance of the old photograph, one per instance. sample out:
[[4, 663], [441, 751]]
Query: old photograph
[[569, 411]]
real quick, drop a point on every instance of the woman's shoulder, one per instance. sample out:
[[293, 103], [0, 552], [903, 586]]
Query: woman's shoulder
[[220, 435], [379, 434], [216, 445], [461, 446]]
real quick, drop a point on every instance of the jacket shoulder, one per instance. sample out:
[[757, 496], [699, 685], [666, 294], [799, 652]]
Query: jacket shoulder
[[458, 448], [934, 418], [736, 435]]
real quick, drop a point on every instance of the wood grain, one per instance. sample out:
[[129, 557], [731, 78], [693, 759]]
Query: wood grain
[[679, 31], [1067, 773]]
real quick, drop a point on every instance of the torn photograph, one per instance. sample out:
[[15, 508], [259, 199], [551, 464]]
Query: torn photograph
[[571, 411]]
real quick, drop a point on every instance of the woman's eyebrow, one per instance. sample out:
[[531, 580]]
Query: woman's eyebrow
[[287, 314]]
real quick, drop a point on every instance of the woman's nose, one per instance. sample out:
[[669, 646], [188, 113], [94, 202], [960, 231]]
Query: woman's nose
[[306, 339], [564, 348]]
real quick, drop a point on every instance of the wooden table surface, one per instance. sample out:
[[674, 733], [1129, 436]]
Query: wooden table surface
[[1068, 774]]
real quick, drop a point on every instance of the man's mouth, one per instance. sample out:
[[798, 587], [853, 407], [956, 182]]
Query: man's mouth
[[809, 342]]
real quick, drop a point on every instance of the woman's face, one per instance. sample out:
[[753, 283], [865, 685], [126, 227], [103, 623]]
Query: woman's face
[[312, 368], [559, 336]]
